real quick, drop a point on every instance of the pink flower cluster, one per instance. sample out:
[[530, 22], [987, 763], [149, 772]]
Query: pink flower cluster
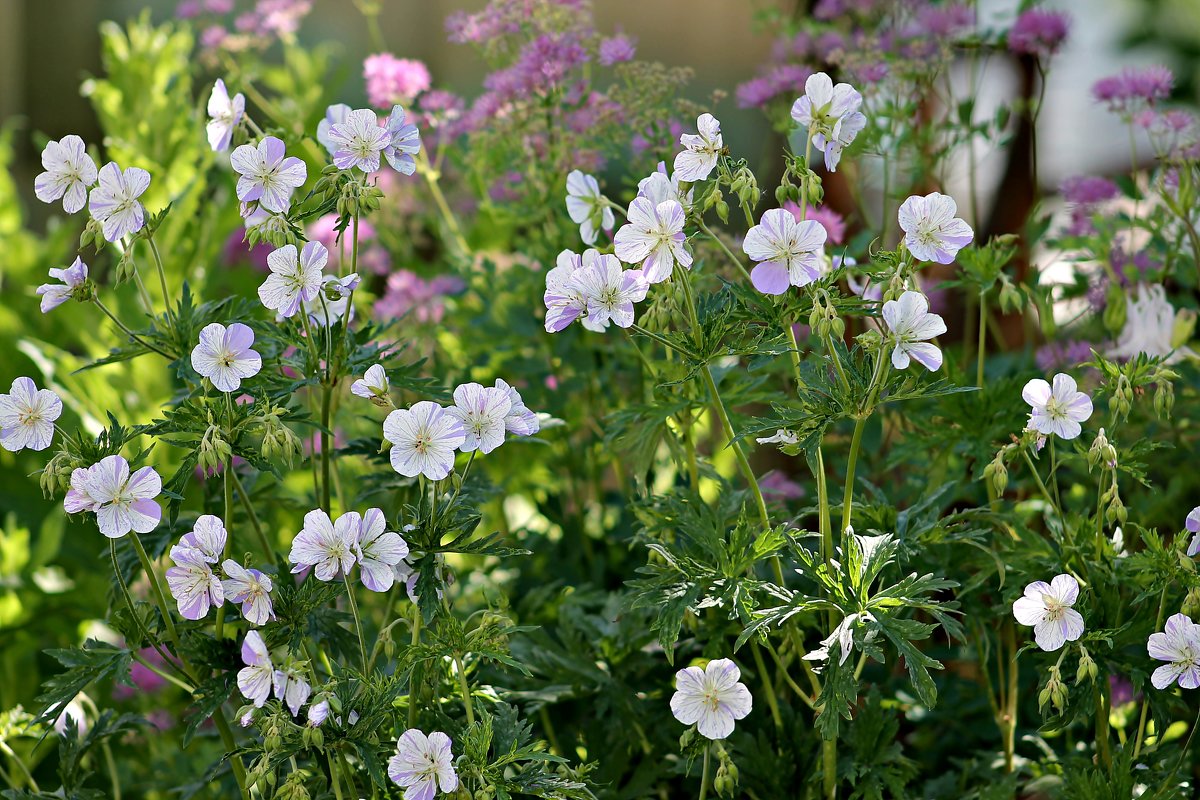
[[409, 293], [1038, 32], [1084, 194], [1133, 89], [392, 80]]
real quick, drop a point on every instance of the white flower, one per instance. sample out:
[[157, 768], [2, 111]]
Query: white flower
[[780, 436], [519, 420], [208, 536], [1179, 645], [251, 588], [653, 237], [404, 144], [122, 502], [789, 253], [610, 292], [701, 150], [586, 206], [192, 583], [1193, 524], [1048, 608], [423, 764], [359, 141], [291, 688], [374, 386], [564, 297], [266, 175], [334, 115], [910, 326], [224, 115], [327, 546], [482, 411], [254, 680], [711, 699], [1150, 325], [931, 231], [658, 187], [423, 440], [295, 277], [27, 416], [69, 173], [224, 355], [114, 201], [73, 278], [332, 302], [843, 634], [831, 115], [378, 551], [1057, 410]]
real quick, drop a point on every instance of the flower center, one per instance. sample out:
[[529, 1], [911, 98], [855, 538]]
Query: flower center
[[711, 699], [30, 416], [226, 359], [1055, 409], [1055, 608], [422, 442]]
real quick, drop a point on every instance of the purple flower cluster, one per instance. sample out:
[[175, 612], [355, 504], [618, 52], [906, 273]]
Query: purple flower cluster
[[1038, 32], [1084, 194], [268, 21], [1064, 355], [783, 75], [617, 50], [1134, 89], [408, 293]]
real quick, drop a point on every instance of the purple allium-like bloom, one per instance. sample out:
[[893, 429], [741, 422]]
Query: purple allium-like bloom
[[1038, 32], [700, 150], [251, 588], [224, 115], [931, 231], [482, 411], [73, 278], [328, 546], [777, 486], [831, 115], [295, 277], [359, 141], [122, 502], [69, 173], [114, 201], [910, 329], [378, 551], [787, 252], [268, 174], [1055, 356], [223, 355], [754, 93], [653, 237], [610, 292], [1088, 190], [423, 438], [408, 293], [392, 80], [423, 764], [617, 49], [405, 142], [27, 416], [944, 21], [1179, 645], [192, 583]]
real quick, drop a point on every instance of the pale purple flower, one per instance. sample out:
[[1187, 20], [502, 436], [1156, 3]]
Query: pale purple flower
[[701, 150], [334, 115], [291, 688], [394, 80], [842, 635], [295, 277], [564, 297], [653, 237], [373, 386], [1192, 523], [910, 327], [931, 231], [122, 502], [251, 588], [378, 551], [223, 355], [610, 292], [423, 764], [789, 253], [192, 583], [69, 173], [208, 536], [617, 49], [73, 278], [424, 438], [224, 115], [658, 187], [402, 149], [359, 141], [1179, 645], [712, 698], [329, 547], [586, 206], [482, 411], [1038, 32], [318, 712], [1048, 607], [519, 420], [27, 416], [114, 201], [268, 175], [831, 115], [1059, 409]]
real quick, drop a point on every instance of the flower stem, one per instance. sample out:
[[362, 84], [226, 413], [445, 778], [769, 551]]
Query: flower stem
[[362, 645], [162, 276], [431, 177], [737, 262], [326, 444], [856, 441], [1141, 731], [20, 765], [130, 333], [829, 767], [333, 777], [268, 550], [412, 690], [156, 588], [704, 773], [468, 703], [981, 345], [756, 651]]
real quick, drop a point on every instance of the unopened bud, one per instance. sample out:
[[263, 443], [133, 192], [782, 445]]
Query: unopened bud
[[1087, 667], [996, 473]]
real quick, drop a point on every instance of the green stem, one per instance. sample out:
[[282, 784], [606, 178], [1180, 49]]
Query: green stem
[[113, 777], [1038, 480], [431, 177], [981, 344], [162, 276], [228, 484], [412, 690], [829, 767], [362, 643], [772, 702], [856, 440], [468, 703], [20, 765], [156, 588], [268, 550], [326, 443], [1141, 731], [1102, 744], [704, 773], [130, 333], [162, 673], [333, 777], [737, 262], [235, 761]]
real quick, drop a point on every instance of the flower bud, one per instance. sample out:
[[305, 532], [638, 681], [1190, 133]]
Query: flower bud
[[215, 452], [723, 211], [1011, 298], [1191, 603], [1087, 667], [313, 737], [56, 476], [1121, 402], [1164, 399], [996, 473]]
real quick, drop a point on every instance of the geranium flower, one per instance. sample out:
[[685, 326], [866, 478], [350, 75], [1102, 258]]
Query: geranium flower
[[251, 588], [224, 115], [653, 237], [931, 231], [374, 386], [254, 680], [208, 536], [586, 206], [405, 143], [224, 355], [291, 688], [843, 635], [482, 411], [1179, 645], [1058, 409], [295, 277], [658, 187], [910, 326], [789, 253], [27, 416], [69, 173], [360, 141], [332, 302], [192, 583], [1048, 608], [700, 150], [831, 115], [424, 438], [423, 764], [334, 115], [564, 297], [378, 551], [122, 502], [268, 175], [73, 278], [114, 201], [519, 420], [711, 698], [327, 546], [1192, 523], [610, 292]]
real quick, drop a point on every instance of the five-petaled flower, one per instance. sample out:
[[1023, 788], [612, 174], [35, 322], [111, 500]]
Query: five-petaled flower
[[931, 231], [564, 297], [224, 113], [424, 438], [378, 551], [373, 386], [482, 411], [405, 142], [295, 277], [423, 764], [831, 115], [251, 588], [610, 292], [1192, 523], [290, 687], [700, 150], [255, 679], [910, 327], [1048, 608], [654, 238], [587, 207], [330, 547], [268, 175], [359, 141], [711, 698], [192, 582], [519, 420], [224, 355], [1179, 645], [122, 502], [27, 416], [789, 253], [69, 173], [1057, 409], [73, 280], [114, 202]]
